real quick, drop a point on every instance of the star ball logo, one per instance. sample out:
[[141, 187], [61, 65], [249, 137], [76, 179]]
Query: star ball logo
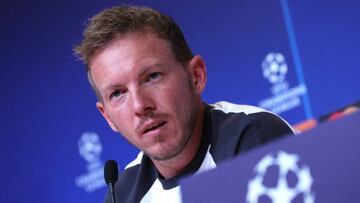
[[284, 98], [90, 149], [283, 191], [274, 67]]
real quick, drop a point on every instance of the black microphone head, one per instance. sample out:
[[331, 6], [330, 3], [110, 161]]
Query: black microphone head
[[111, 172]]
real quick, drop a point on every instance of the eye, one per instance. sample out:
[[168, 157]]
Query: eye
[[153, 76], [115, 93]]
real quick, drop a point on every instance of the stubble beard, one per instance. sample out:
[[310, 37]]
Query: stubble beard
[[190, 115]]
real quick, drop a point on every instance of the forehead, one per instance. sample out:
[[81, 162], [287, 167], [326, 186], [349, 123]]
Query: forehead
[[127, 54], [130, 45]]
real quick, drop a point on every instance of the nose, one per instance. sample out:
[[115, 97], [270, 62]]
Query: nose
[[143, 103]]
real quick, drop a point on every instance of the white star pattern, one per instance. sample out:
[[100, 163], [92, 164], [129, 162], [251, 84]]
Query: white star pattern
[[287, 162], [305, 179], [282, 193], [255, 188]]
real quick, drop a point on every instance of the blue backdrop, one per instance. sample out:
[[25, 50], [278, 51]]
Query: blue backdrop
[[297, 58]]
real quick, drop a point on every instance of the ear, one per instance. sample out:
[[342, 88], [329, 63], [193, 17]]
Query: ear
[[197, 70], [101, 108]]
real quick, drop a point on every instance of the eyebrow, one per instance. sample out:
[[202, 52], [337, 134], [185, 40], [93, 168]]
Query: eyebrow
[[143, 71], [112, 87], [146, 68]]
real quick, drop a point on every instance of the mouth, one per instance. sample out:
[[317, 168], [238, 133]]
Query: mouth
[[153, 127]]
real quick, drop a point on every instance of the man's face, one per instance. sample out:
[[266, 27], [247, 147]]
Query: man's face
[[148, 96]]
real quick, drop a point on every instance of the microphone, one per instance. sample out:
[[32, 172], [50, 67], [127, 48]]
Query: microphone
[[111, 176]]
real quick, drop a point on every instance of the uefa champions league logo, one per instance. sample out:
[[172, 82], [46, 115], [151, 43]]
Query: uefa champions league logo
[[284, 98], [283, 192], [274, 67], [90, 149], [90, 146]]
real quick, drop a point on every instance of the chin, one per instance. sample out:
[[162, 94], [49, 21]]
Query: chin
[[162, 155]]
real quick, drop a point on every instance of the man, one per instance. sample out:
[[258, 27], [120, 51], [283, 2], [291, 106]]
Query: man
[[149, 86]]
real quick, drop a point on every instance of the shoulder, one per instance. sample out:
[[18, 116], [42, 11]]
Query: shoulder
[[238, 128], [251, 114]]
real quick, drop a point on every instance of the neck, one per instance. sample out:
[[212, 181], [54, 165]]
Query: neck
[[172, 167]]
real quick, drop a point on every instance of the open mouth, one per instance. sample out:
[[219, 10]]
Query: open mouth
[[159, 125]]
